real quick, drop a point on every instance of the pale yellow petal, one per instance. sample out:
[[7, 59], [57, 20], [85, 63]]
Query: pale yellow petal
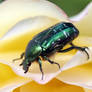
[[85, 25], [18, 44], [13, 11], [9, 80], [18, 37], [50, 71], [80, 76], [12, 48], [80, 57], [87, 90]]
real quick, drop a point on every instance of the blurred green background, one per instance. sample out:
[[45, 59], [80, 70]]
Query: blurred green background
[[1, 1], [71, 7]]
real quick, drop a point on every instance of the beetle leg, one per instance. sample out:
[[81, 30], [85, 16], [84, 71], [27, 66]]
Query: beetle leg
[[40, 65], [52, 62], [80, 48], [75, 47], [22, 55], [66, 50]]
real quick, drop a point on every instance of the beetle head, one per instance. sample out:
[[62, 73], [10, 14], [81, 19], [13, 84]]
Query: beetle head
[[26, 65]]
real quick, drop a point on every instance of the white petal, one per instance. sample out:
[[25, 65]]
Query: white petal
[[6, 91], [82, 14]]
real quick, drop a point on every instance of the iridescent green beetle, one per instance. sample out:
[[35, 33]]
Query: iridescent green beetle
[[50, 41]]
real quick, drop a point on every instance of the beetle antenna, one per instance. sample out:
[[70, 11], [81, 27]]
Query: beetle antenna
[[22, 55], [22, 62]]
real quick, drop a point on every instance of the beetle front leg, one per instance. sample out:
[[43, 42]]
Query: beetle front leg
[[40, 65], [22, 55], [52, 62]]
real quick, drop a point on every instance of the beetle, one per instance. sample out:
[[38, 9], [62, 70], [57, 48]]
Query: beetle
[[49, 41]]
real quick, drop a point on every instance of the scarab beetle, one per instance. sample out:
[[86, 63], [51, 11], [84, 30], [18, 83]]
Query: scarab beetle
[[50, 41]]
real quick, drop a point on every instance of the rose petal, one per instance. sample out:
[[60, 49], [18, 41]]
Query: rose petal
[[31, 28], [19, 36], [87, 90], [84, 25], [78, 59], [50, 71], [80, 76], [53, 86], [8, 79], [17, 10], [11, 86], [19, 70], [35, 74], [28, 25], [82, 14]]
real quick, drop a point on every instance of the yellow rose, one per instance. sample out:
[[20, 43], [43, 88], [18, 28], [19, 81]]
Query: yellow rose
[[20, 20]]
